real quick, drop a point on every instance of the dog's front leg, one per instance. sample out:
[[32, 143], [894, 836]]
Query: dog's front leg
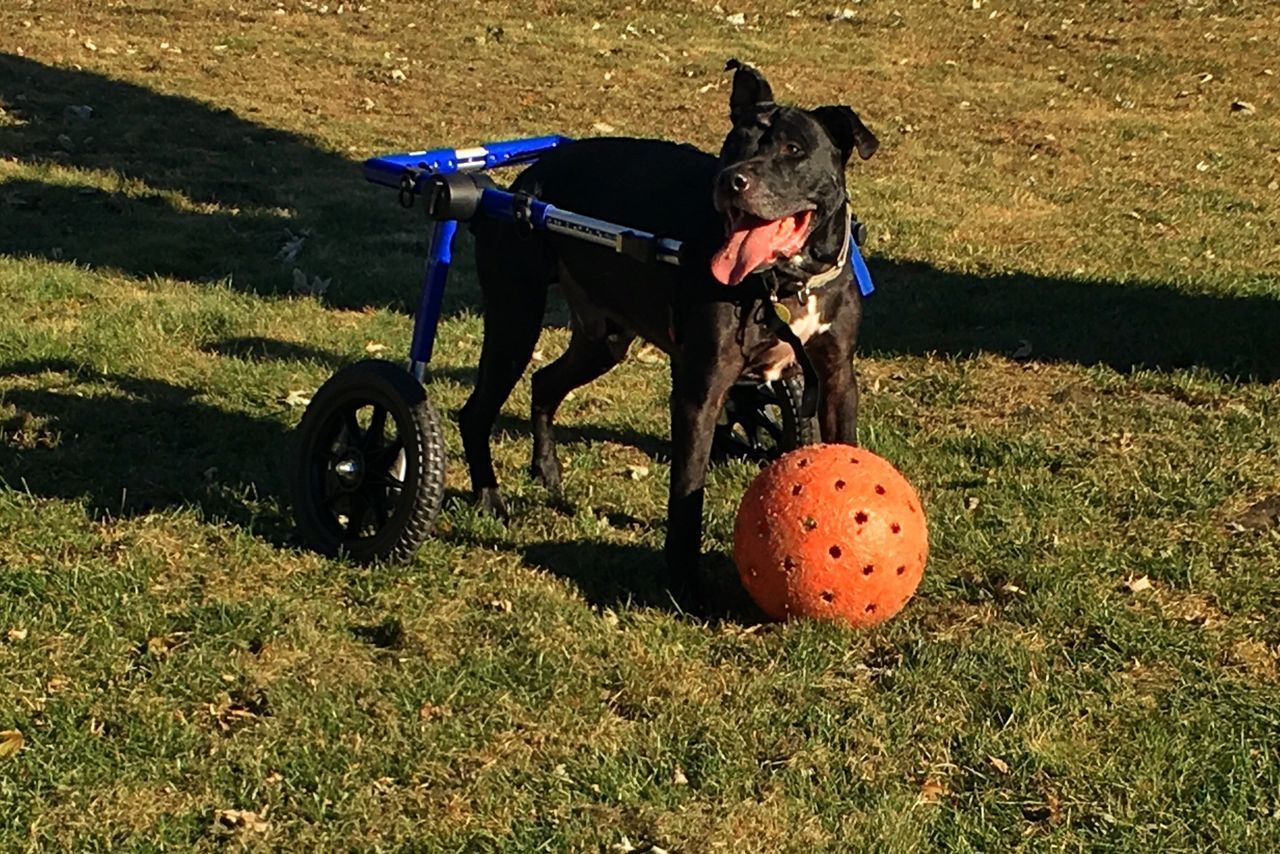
[[699, 385], [838, 412]]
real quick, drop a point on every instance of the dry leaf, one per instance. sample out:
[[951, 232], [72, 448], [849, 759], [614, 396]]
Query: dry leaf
[[999, 764], [289, 250], [502, 606], [678, 778], [638, 472], [295, 398], [603, 127], [737, 19], [11, 742], [1243, 107], [315, 286], [374, 347], [430, 711], [931, 791], [1137, 585], [16, 635], [241, 820], [158, 646], [649, 354], [971, 502]]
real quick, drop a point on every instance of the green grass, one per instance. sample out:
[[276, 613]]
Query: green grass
[[1067, 178]]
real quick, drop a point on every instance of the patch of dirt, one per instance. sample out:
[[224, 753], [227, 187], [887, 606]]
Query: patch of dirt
[[1194, 608], [1253, 656], [1261, 515]]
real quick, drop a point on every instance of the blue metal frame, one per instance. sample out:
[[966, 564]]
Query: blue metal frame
[[426, 318], [390, 169], [408, 171]]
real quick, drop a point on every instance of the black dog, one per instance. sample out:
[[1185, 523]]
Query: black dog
[[767, 220]]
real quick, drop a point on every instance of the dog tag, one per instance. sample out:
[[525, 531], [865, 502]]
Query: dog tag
[[784, 313]]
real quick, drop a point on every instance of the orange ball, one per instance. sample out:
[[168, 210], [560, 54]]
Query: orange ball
[[833, 532]]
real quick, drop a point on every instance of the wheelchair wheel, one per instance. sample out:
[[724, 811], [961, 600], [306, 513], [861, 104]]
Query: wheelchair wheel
[[761, 421], [368, 479]]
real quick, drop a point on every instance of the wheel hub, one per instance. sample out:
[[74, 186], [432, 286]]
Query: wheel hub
[[350, 468]]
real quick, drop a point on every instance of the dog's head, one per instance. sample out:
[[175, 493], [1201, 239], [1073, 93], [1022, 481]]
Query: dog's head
[[781, 183]]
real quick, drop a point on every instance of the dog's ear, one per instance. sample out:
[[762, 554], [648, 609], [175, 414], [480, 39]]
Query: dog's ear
[[847, 131], [751, 92]]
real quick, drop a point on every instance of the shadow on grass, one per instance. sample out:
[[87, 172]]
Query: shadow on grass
[[197, 192], [130, 446], [255, 348], [918, 309], [610, 575]]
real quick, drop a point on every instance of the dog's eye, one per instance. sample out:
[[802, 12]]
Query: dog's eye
[[791, 149]]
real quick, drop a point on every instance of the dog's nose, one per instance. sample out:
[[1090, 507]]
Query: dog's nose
[[739, 182]]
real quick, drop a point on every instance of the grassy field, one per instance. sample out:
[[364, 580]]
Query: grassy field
[[1074, 353]]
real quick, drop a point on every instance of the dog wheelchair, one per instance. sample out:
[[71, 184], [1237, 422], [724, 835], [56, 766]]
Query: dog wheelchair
[[368, 475]]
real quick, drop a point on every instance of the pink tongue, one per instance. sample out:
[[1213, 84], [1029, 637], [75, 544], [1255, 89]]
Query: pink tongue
[[752, 246]]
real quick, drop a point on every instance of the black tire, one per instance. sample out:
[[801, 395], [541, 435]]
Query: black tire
[[360, 490], [761, 421]]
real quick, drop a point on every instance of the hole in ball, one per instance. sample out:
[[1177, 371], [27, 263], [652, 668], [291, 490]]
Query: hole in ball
[[797, 489], [828, 596], [860, 517], [809, 523], [789, 563], [871, 607], [854, 460], [896, 528], [902, 570], [804, 463], [835, 552], [879, 489], [839, 484], [868, 569]]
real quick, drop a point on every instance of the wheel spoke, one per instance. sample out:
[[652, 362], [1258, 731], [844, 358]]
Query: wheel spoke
[[381, 460], [352, 426], [332, 485], [771, 426], [381, 511], [359, 510], [373, 437]]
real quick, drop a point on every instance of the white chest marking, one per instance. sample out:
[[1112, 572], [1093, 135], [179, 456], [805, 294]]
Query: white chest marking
[[805, 324]]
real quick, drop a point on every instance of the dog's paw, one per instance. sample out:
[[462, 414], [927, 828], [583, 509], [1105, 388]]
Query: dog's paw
[[547, 473], [489, 502]]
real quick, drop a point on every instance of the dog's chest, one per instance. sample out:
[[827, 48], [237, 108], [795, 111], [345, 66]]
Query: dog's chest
[[806, 322]]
